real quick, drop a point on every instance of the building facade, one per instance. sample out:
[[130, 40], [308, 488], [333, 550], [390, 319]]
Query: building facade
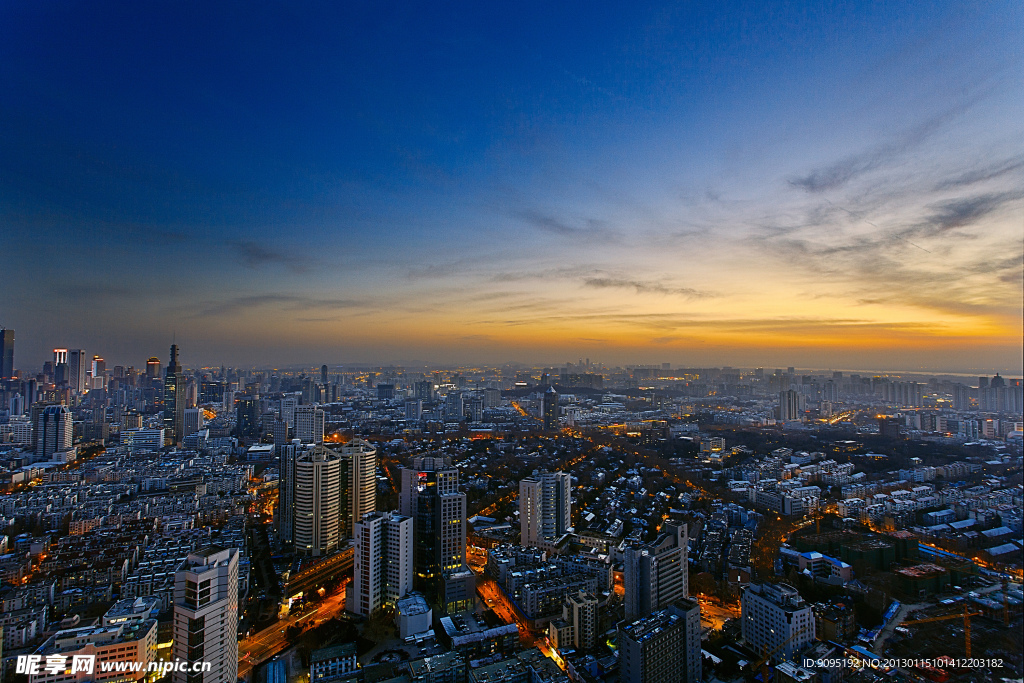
[[545, 507], [383, 561], [206, 615], [775, 619]]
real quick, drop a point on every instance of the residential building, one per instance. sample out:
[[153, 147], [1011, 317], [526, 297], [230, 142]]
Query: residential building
[[206, 615], [383, 561], [657, 574], [545, 507], [317, 494]]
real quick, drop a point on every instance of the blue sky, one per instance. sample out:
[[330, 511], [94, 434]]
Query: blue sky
[[739, 183]]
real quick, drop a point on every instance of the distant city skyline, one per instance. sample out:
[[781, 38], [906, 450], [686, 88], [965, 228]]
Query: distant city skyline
[[314, 367], [701, 184]]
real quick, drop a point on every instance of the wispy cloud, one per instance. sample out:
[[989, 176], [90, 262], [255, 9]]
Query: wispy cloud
[[645, 287], [287, 302], [591, 228], [839, 173], [964, 212], [979, 175], [255, 255]]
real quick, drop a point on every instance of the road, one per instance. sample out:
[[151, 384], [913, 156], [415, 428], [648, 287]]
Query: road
[[494, 599], [261, 646], [713, 616]]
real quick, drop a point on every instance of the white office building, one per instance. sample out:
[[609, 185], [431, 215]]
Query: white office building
[[776, 619], [382, 563], [309, 424]]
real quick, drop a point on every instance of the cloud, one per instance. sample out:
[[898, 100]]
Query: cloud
[[982, 174], [960, 213], [286, 302], [642, 287], [591, 228], [255, 256], [843, 171]]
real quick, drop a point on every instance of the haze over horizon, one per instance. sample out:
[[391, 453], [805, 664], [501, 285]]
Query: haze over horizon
[[701, 184]]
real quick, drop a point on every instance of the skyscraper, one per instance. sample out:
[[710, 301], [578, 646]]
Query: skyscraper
[[77, 365], [6, 353], [657, 574], [281, 438], [153, 367], [285, 518], [789, 405], [663, 647], [287, 453], [247, 417], [383, 563], [359, 483], [317, 489], [430, 495], [549, 408], [54, 431], [174, 400], [545, 508], [309, 424], [206, 615]]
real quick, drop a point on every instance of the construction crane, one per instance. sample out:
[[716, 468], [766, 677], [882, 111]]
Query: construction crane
[[763, 664], [966, 616]]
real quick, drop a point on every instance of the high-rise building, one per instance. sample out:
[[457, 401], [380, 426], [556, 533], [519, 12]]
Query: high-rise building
[[174, 400], [54, 431], [383, 562], [323, 374], [663, 647], [545, 508], [430, 495], [424, 390], [288, 406], [309, 424], [549, 408], [453, 406], [193, 421], [358, 485], [247, 417], [577, 628], [317, 494], [206, 615], [789, 405], [775, 619], [285, 517], [153, 367], [6, 353], [657, 574], [413, 409], [281, 436], [77, 365]]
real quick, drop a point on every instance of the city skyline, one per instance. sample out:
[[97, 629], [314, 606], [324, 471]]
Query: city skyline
[[697, 185]]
